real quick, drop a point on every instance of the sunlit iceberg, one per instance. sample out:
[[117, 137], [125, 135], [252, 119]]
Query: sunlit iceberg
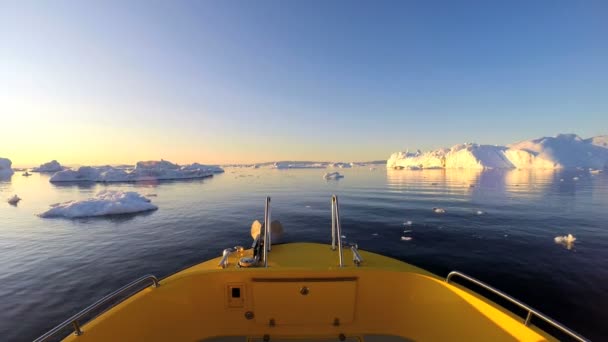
[[143, 171], [561, 151], [107, 202], [52, 166]]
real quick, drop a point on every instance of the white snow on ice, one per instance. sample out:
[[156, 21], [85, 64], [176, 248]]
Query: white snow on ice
[[439, 210], [52, 166], [143, 171], [561, 151], [107, 202], [5, 168]]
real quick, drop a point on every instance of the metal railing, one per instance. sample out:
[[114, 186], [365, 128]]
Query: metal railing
[[336, 229], [267, 233], [531, 312], [74, 321]]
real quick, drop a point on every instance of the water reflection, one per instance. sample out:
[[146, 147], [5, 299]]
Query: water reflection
[[475, 183]]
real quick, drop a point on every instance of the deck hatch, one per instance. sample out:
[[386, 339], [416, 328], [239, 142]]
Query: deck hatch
[[324, 301]]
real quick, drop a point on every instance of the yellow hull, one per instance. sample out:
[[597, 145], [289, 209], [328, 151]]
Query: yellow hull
[[303, 294]]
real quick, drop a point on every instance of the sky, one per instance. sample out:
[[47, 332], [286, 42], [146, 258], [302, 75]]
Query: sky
[[98, 82]]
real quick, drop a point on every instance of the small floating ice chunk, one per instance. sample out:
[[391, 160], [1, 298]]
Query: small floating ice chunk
[[566, 240], [107, 202], [561, 179], [333, 175], [14, 200], [407, 231], [375, 234], [406, 238], [595, 172], [408, 223], [480, 212], [439, 210], [575, 178], [343, 236]]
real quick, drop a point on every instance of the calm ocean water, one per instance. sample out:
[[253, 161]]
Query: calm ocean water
[[52, 268]]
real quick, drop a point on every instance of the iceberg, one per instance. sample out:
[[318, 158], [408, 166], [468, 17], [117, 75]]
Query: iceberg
[[107, 202], [298, 165], [143, 171], [341, 165], [561, 151], [333, 175], [14, 200], [52, 166], [5, 168]]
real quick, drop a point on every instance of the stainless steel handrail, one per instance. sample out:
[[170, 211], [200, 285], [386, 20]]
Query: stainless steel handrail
[[336, 229], [267, 234], [531, 312], [75, 320], [357, 259]]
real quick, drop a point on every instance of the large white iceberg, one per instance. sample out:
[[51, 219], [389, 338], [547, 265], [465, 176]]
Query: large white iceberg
[[143, 171], [107, 202], [600, 140], [561, 151], [52, 166], [5, 168]]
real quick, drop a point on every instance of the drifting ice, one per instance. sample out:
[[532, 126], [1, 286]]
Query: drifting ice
[[144, 171], [14, 200], [107, 202], [5, 168], [333, 175], [52, 166]]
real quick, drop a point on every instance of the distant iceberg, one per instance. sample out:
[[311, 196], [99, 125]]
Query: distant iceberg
[[561, 151], [298, 165], [52, 166], [333, 175], [341, 165], [5, 168], [106, 202], [14, 200], [143, 171]]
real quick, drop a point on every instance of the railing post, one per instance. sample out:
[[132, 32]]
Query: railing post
[[266, 231], [338, 231], [333, 222], [528, 318], [76, 326]]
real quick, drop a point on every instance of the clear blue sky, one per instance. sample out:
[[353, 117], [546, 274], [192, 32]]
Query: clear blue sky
[[230, 81]]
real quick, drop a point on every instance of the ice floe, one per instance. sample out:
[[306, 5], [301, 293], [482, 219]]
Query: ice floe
[[480, 212], [407, 223], [52, 166], [566, 240], [439, 211], [107, 202], [333, 175], [143, 171], [14, 200], [5, 168], [561, 151], [406, 238]]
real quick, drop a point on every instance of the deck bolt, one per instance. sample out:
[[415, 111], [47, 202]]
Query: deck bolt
[[304, 291], [336, 322], [249, 314], [266, 338], [342, 337]]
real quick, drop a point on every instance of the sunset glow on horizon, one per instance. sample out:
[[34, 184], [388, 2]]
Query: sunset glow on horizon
[[243, 82]]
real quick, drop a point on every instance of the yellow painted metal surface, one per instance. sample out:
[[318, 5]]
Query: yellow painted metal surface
[[384, 296]]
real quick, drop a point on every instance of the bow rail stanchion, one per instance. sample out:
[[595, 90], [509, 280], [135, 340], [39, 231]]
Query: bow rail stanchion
[[336, 229], [267, 233]]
